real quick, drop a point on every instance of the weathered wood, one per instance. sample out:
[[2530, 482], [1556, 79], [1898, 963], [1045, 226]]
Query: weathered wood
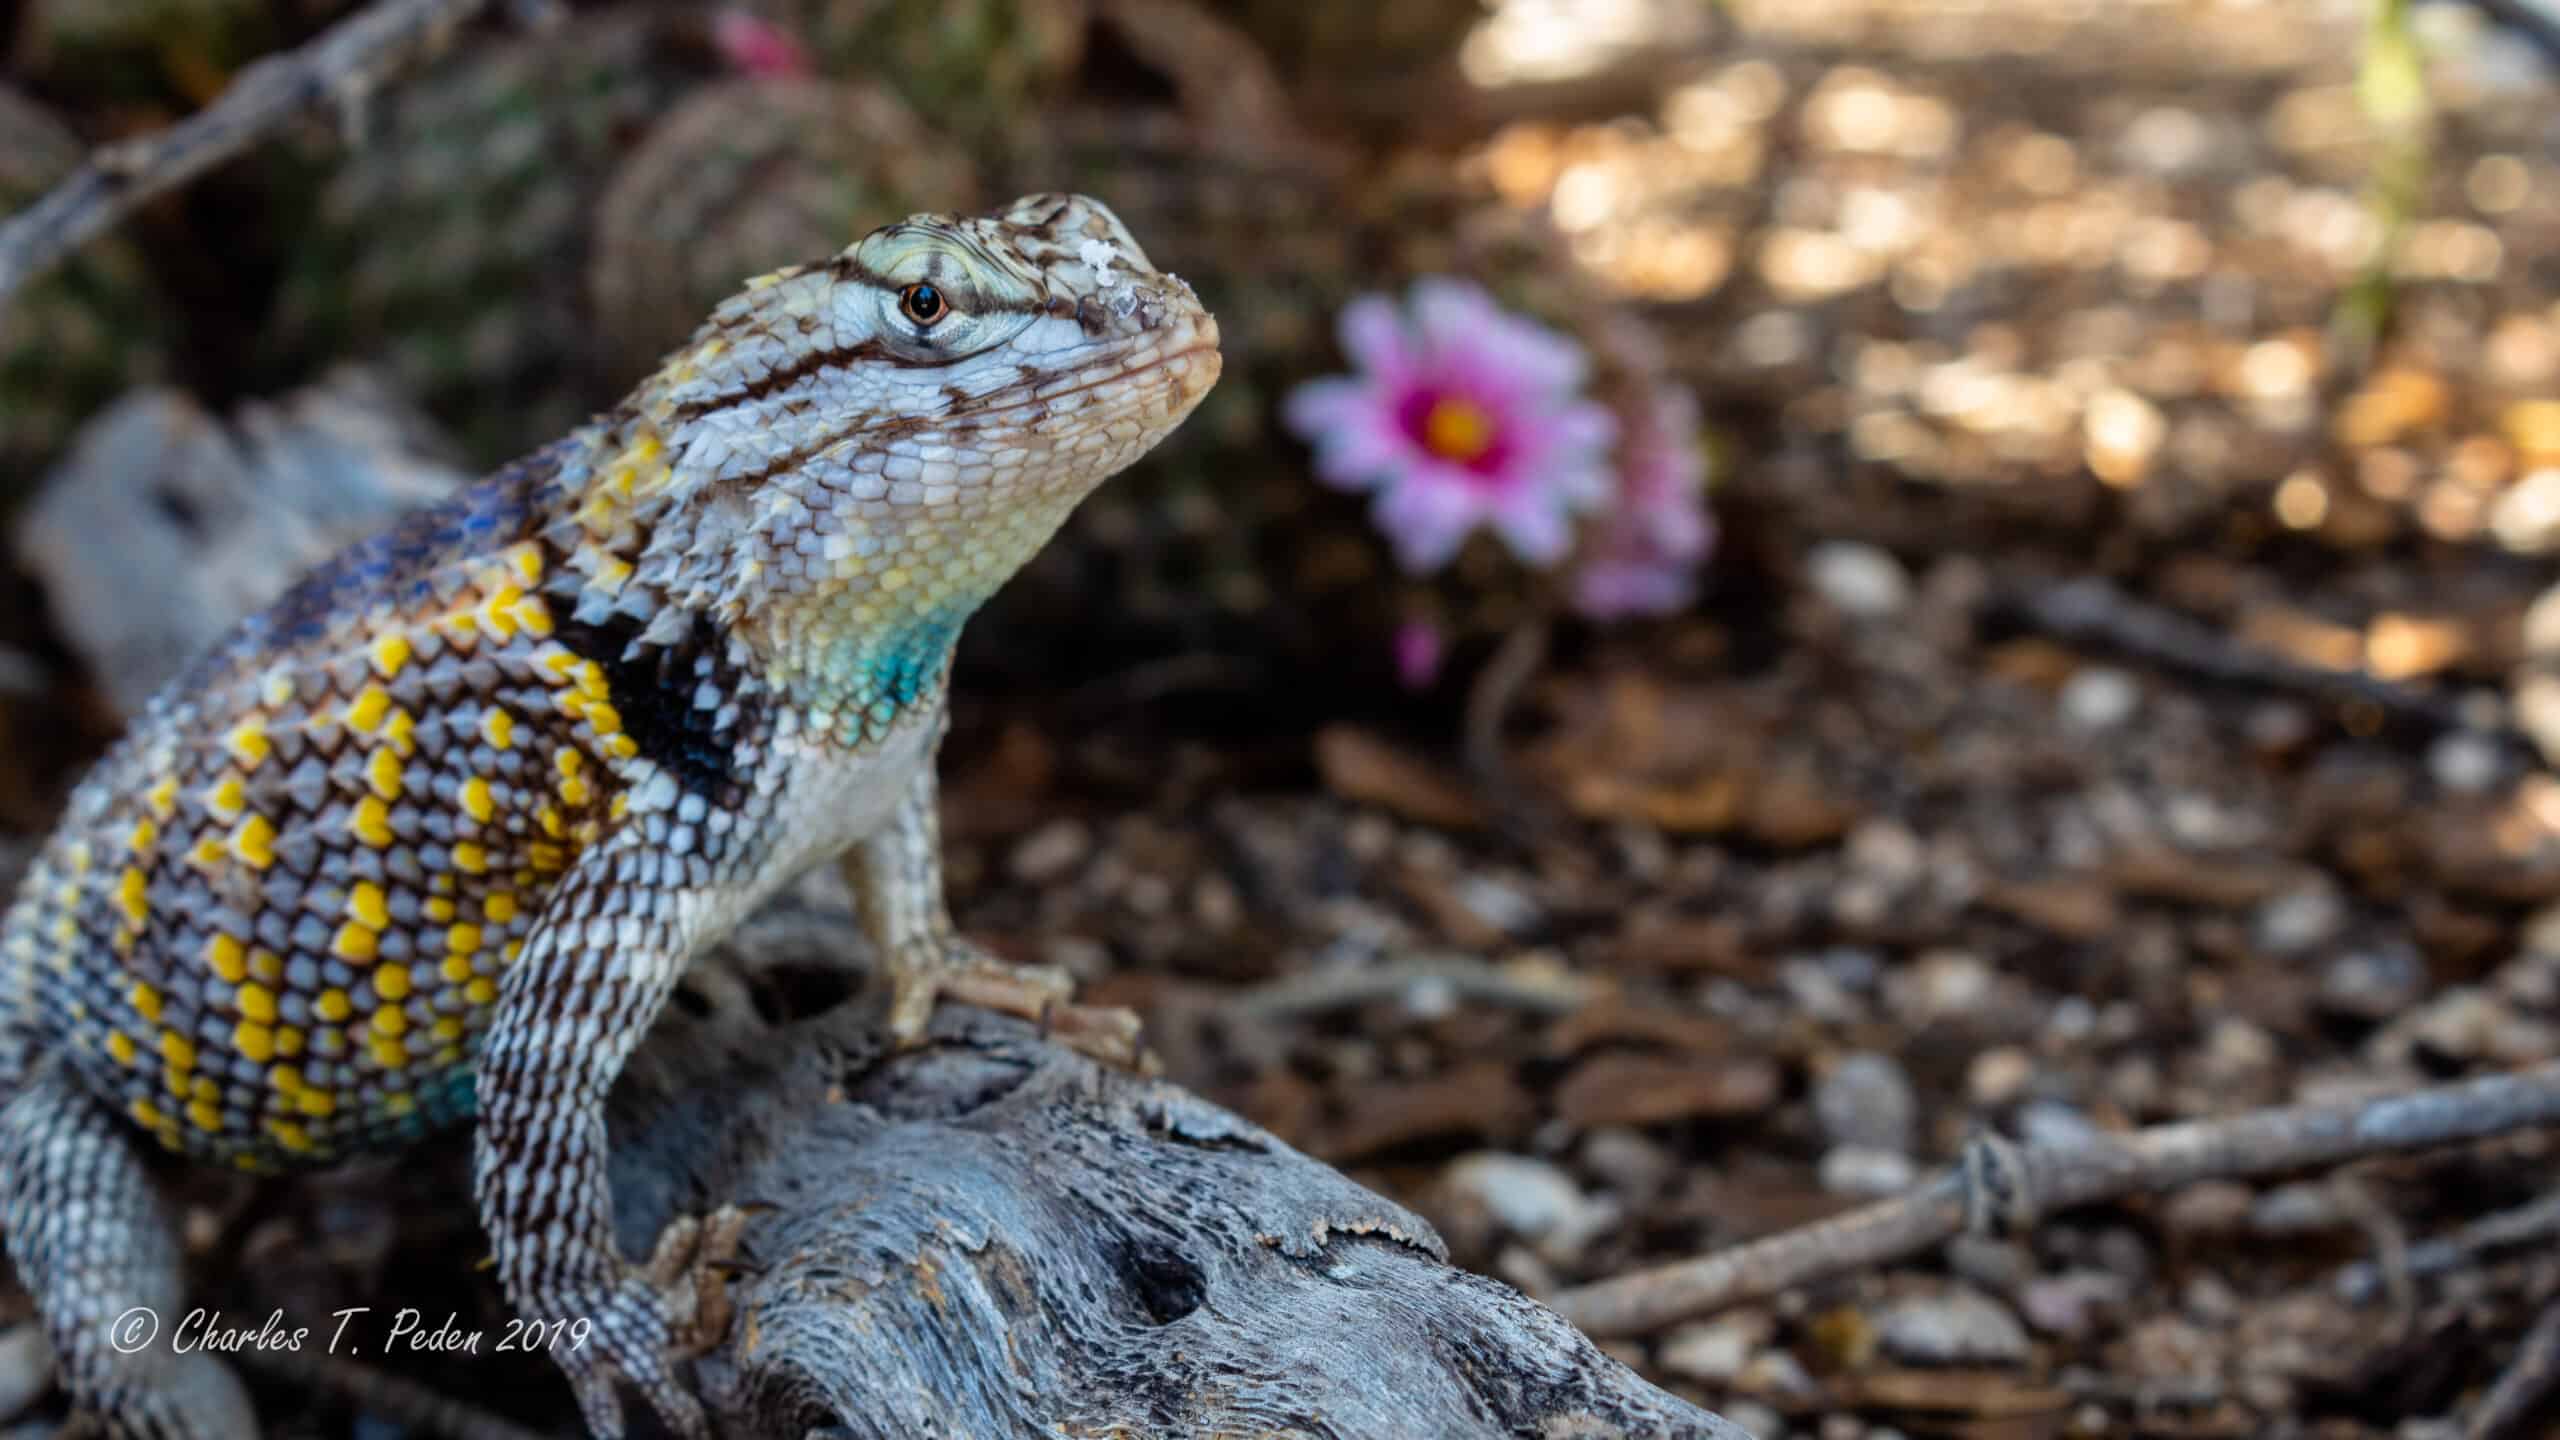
[[994, 1237]]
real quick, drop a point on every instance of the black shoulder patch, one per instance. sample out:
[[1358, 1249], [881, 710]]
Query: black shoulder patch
[[654, 690]]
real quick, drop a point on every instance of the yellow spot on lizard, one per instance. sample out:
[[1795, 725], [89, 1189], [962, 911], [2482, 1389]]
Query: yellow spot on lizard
[[383, 772], [355, 944], [255, 842], [370, 822], [390, 654]]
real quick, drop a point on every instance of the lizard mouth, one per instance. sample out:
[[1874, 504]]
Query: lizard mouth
[[1190, 391]]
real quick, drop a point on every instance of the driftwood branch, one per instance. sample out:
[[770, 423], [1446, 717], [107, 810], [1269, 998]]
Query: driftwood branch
[[340, 66], [2000, 1186], [993, 1236]]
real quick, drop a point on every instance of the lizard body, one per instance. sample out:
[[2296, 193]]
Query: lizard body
[[434, 836]]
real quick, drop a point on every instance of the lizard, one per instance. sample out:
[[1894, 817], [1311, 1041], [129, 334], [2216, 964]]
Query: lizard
[[432, 838]]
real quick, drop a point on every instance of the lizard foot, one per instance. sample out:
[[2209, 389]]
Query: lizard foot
[[667, 1311], [923, 973]]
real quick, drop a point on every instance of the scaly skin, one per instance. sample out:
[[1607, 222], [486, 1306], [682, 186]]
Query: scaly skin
[[438, 832]]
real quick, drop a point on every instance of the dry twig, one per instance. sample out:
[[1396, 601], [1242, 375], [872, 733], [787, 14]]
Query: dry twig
[[2002, 1186], [340, 66]]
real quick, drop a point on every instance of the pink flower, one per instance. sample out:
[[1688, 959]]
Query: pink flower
[[1461, 415], [757, 46], [1645, 558]]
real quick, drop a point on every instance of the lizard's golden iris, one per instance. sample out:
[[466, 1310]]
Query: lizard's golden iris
[[923, 304]]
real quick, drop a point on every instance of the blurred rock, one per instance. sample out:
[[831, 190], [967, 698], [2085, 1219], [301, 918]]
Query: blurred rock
[[2072, 1304], [1956, 1326], [2373, 984], [1531, 1199], [2301, 919], [1860, 581], [1715, 1352], [2098, 698], [1866, 1100], [2466, 762]]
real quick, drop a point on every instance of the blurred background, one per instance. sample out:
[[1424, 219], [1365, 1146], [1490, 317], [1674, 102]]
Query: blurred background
[[1769, 584]]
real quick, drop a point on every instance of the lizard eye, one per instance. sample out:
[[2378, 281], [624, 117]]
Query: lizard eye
[[923, 304]]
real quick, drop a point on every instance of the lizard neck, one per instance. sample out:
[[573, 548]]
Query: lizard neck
[[870, 638], [847, 611]]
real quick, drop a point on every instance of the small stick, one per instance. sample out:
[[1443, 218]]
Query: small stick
[[342, 64], [2519, 1394], [2529, 1223], [1999, 1185], [2093, 612]]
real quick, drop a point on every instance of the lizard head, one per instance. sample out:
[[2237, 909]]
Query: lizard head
[[849, 458]]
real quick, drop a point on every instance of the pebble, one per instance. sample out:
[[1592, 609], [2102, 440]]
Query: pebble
[[1957, 1326], [1999, 1076], [1755, 1419], [2470, 1025], [1864, 1173], [2098, 698], [1867, 1100], [1778, 1373], [1715, 1352], [2236, 1051], [1938, 985], [2071, 1304], [2372, 984], [1501, 905], [2537, 702], [2301, 919], [2542, 625], [1859, 579], [1628, 1161], [26, 1368], [2541, 933], [1534, 1200], [1817, 994], [2466, 762], [1887, 850], [1049, 852]]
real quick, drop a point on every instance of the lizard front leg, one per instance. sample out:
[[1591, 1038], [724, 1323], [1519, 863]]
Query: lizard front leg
[[896, 876], [611, 944]]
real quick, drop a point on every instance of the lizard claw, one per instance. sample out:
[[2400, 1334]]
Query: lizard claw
[[631, 1338], [927, 971], [672, 1308]]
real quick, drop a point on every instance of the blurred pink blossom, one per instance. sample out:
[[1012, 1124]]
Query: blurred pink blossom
[[1460, 415], [1645, 558], [757, 46]]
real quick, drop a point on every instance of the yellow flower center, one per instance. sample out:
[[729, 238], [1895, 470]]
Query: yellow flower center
[[1458, 430]]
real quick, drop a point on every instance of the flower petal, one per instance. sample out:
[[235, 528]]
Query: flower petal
[[1535, 528], [1352, 425], [1375, 339], [1426, 519]]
